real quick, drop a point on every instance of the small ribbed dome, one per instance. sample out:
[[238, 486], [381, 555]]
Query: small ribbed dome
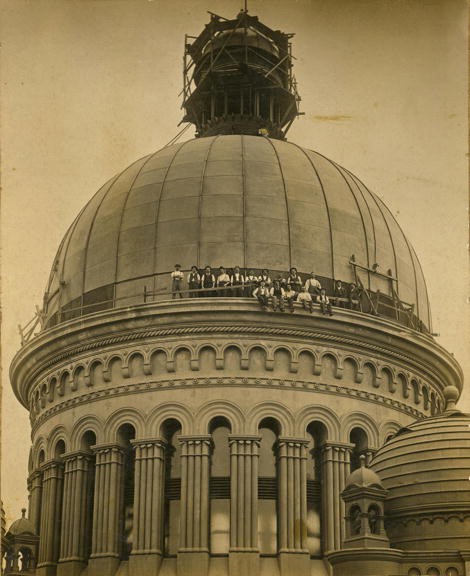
[[426, 469], [363, 477], [22, 525], [229, 200]]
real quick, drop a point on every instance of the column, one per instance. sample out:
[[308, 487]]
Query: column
[[107, 510], [293, 554], [35, 491], [76, 513], [244, 553], [149, 478], [335, 470], [51, 508], [193, 554]]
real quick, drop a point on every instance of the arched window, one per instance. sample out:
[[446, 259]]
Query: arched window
[[355, 521], [268, 487], [317, 435], [359, 438], [220, 487], [171, 429], [125, 434]]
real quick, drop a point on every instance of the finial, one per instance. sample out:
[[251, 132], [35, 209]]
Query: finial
[[362, 458], [23, 512], [451, 395]]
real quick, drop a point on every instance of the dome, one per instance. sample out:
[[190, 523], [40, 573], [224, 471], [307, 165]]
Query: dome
[[426, 469], [363, 477], [21, 526], [229, 200]]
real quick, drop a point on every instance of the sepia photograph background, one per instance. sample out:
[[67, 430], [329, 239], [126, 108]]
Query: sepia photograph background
[[89, 86]]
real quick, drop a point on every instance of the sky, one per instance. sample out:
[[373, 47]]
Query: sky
[[89, 86]]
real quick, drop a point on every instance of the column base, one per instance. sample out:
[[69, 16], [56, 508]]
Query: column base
[[103, 566], [240, 562], [295, 563], [70, 568], [190, 563], [145, 564], [46, 570]]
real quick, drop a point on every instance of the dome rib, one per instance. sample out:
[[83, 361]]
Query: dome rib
[[286, 199], [158, 203], [201, 194], [244, 200], [366, 242], [123, 208], [326, 205]]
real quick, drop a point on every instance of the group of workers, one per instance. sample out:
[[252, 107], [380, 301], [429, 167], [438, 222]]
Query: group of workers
[[271, 293]]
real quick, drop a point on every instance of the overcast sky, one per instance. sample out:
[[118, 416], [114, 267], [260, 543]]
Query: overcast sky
[[88, 86]]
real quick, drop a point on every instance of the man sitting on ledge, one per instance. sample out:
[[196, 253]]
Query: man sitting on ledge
[[305, 299], [262, 293]]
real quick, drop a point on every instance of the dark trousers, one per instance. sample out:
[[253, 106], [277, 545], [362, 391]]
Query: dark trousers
[[176, 288]]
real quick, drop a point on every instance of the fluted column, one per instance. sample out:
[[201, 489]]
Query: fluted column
[[244, 553], [75, 513], [35, 492], [149, 478], [107, 510], [193, 554], [292, 457], [51, 507], [335, 469]]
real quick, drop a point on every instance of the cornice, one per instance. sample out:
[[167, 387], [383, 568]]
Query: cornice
[[347, 330]]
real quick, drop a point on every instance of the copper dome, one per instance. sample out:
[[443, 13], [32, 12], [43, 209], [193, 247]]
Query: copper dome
[[229, 200]]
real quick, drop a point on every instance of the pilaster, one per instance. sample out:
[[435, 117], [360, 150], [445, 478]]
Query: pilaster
[[107, 507], [51, 507], [75, 513], [244, 553], [293, 553], [146, 555], [336, 458], [193, 554]]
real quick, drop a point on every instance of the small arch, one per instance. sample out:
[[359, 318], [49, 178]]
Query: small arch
[[78, 378], [416, 391], [182, 359], [414, 571], [232, 359], [433, 404], [370, 375], [114, 368], [329, 363], [425, 393], [96, 373], [306, 366], [403, 385], [388, 379], [52, 389], [273, 410], [452, 571], [158, 360], [257, 356], [136, 365], [350, 369], [207, 359], [433, 571], [64, 381], [282, 360], [373, 518], [219, 408], [165, 411], [355, 520]]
